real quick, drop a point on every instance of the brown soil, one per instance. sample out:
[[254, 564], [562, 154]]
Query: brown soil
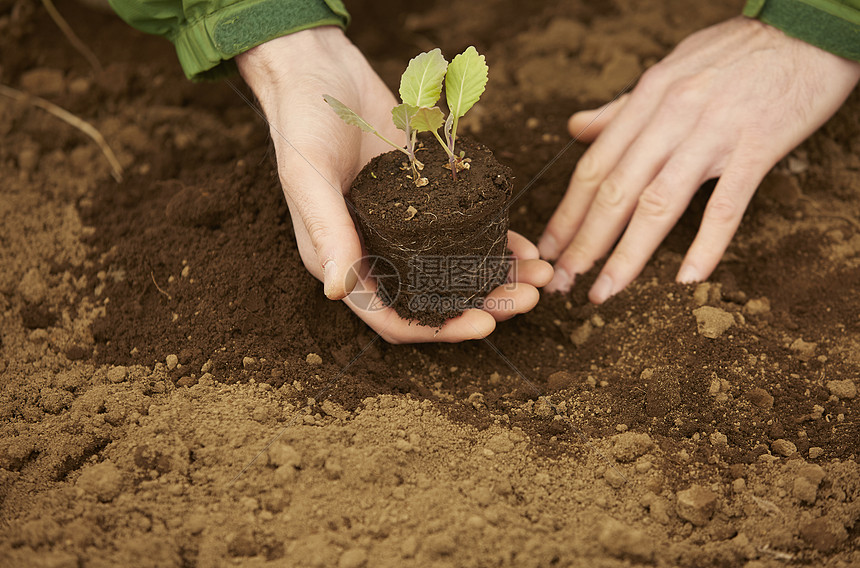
[[177, 391], [445, 242]]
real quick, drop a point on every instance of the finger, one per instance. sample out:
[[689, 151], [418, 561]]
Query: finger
[[533, 271], [521, 247], [364, 302], [657, 210], [722, 216], [617, 195], [325, 232], [471, 324], [586, 125], [590, 172], [505, 302]]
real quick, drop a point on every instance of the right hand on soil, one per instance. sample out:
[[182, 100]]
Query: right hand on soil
[[728, 102], [319, 156]]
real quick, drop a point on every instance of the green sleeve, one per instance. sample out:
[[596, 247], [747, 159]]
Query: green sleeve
[[832, 25], [209, 33]]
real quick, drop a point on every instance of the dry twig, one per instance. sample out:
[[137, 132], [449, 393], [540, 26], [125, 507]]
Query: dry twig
[[72, 36], [68, 118], [157, 287]]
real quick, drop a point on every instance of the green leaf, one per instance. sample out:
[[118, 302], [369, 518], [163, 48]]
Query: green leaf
[[421, 83], [402, 116], [348, 115], [465, 81], [428, 119]]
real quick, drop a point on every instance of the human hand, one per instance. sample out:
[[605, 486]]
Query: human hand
[[319, 156], [729, 102]]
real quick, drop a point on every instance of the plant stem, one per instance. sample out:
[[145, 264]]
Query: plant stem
[[445, 146], [397, 146]]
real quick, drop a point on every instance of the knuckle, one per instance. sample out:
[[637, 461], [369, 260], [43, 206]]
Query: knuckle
[[652, 80], [721, 209], [610, 194], [587, 170], [654, 202], [685, 93]]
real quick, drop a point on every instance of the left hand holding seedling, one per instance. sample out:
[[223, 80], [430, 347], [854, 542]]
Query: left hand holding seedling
[[319, 155]]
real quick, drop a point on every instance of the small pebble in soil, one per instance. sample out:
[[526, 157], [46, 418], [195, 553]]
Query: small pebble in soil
[[103, 481], [614, 477], [33, 287], [117, 374], [409, 546], [719, 439], [313, 359], [630, 445], [713, 322], [700, 295], [842, 389], [696, 504], [803, 350], [581, 334], [186, 381], [824, 534], [804, 491], [500, 443], [815, 452], [282, 454], [250, 363], [623, 541], [783, 447], [353, 558], [760, 398], [172, 361], [757, 307], [560, 380]]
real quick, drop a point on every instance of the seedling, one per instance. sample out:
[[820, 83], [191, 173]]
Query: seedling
[[420, 89]]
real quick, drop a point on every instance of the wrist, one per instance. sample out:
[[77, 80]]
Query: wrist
[[271, 65]]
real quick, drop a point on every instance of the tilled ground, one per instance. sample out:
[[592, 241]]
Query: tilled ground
[[177, 391]]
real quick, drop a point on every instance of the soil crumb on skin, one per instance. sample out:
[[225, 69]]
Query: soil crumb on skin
[[178, 392]]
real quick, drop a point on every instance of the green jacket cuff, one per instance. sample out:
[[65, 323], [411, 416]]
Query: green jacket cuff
[[832, 25], [208, 34], [206, 48]]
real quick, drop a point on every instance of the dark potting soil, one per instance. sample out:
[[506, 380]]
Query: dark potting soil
[[446, 241]]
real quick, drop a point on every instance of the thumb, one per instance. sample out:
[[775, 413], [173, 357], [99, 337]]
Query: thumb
[[325, 232]]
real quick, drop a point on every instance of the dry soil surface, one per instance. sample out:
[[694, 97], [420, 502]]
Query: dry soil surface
[[176, 391]]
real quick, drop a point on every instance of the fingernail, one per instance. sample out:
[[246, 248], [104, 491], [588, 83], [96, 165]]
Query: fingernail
[[601, 290], [329, 275], [687, 275], [548, 246], [560, 282]]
